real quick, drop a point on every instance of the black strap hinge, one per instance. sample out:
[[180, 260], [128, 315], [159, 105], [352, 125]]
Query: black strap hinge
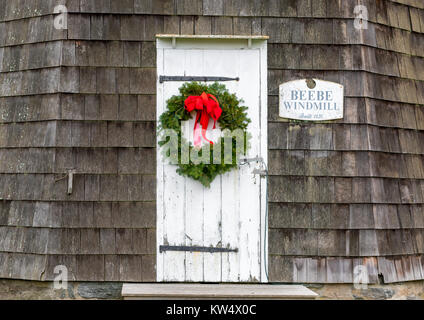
[[195, 249]]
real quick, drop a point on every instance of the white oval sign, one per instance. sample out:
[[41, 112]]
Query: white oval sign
[[311, 99]]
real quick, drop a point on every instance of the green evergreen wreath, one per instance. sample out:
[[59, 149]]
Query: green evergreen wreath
[[234, 116]]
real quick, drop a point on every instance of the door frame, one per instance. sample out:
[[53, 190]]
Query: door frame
[[164, 41]]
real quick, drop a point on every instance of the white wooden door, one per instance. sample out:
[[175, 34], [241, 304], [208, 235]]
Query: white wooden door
[[231, 214]]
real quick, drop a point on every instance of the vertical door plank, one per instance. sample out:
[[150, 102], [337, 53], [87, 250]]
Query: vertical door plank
[[194, 212], [250, 210], [263, 140], [225, 265], [230, 226], [212, 230], [159, 175], [217, 63], [174, 196]]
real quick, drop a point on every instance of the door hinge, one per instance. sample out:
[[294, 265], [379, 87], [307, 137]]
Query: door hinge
[[249, 160], [262, 172], [195, 249]]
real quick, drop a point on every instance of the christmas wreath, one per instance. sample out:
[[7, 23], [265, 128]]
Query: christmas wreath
[[205, 102]]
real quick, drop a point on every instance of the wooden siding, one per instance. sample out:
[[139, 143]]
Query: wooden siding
[[342, 193]]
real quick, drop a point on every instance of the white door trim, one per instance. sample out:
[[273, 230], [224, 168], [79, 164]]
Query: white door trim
[[216, 42]]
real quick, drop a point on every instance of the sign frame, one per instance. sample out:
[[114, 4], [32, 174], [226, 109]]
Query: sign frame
[[311, 100]]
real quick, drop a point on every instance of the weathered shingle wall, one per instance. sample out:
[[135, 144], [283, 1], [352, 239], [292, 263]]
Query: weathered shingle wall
[[341, 193], [69, 104], [350, 192]]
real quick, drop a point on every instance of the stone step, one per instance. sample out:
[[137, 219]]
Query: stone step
[[184, 291]]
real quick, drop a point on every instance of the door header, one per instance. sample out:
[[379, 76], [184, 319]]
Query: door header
[[168, 41], [207, 36]]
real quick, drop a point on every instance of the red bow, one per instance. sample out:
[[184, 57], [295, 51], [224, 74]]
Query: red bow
[[207, 106]]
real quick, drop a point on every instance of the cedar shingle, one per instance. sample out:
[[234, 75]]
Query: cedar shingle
[[79, 27], [139, 240], [121, 6], [112, 267], [281, 268], [90, 241], [148, 54], [171, 24], [187, 24], [151, 244], [415, 19], [112, 27], [95, 6], [107, 241], [124, 242], [90, 268], [189, 7], [331, 243], [148, 268]]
